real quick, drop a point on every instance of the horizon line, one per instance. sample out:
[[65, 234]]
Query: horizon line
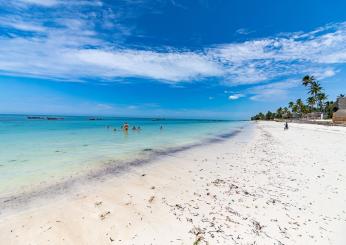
[[115, 116]]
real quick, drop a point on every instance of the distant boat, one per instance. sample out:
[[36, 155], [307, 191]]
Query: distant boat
[[55, 118], [95, 119], [35, 118]]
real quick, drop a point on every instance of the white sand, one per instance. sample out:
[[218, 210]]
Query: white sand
[[268, 186]]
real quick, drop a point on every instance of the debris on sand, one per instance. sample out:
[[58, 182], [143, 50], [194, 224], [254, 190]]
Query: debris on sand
[[257, 227], [104, 215], [178, 206], [151, 199], [98, 203], [198, 232], [218, 182]]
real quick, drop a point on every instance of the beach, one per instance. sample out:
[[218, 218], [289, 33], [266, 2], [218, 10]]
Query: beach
[[262, 185]]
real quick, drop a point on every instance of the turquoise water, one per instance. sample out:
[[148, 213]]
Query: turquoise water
[[38, 152]]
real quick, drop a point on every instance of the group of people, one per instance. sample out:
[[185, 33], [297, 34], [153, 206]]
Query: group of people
[[125, 127]]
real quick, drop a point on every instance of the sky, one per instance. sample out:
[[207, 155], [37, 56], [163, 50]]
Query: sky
[[220, 59]]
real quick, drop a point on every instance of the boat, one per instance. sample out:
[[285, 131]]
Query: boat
[[35, 118], [55, 118]]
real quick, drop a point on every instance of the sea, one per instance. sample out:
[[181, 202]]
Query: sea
[[37, 151]]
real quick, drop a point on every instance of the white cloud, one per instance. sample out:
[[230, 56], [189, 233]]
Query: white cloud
[[293, 54], [72, 49], [19, 25], [337, 57], [269, 94], [169, 66], [243, 31], [327, 73], [322, 73], [235, 96], [272, 91], [45, 3]]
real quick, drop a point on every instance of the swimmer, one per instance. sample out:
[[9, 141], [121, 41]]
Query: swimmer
[[126, 127]]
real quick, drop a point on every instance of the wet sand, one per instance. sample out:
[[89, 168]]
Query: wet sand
[[262, 186]]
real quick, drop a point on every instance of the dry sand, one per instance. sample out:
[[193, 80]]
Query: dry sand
[[263, 186]]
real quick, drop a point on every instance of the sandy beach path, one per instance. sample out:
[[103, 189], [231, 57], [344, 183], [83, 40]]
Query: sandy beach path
[[263, 186]]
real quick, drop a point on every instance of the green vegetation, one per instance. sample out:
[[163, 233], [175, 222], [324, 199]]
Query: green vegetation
[[316, 102]]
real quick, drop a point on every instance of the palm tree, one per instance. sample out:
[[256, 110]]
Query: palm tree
[[286, 113], [316, 92], [307, 80], [329, 108], [279, 112], [311, 101], [269, 115], [315, 88], [295, 108], [299, 101], [321, 97], [305, 109], [290, 104], [300, 106]]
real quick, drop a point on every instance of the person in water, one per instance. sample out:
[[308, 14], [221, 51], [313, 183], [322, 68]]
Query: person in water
[[126, 127], [161, 127], [134, 128]]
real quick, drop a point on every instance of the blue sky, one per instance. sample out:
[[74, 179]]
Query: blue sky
[[174, 58]]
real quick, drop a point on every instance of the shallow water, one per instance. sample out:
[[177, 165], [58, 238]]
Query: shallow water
[[39, 152]]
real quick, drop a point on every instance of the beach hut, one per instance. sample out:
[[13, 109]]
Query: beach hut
[[313, 116], [295, 115], [340, 115]]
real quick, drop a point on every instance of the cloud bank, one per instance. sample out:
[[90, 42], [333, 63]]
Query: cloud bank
[[47, 39]]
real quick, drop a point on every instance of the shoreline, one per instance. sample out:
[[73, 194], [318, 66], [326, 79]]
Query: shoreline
[[265, 186], [112, 169]]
